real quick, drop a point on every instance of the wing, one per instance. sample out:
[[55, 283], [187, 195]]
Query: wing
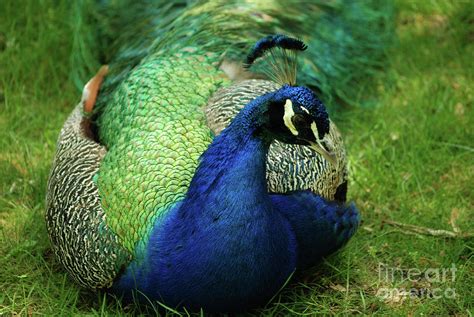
[[76, 223]]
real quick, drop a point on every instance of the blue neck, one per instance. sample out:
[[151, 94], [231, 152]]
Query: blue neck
[[233, 167]]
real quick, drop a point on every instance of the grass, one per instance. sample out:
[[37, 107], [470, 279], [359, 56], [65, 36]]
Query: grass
[[411, 160]]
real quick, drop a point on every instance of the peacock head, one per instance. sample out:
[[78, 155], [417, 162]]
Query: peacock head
[[297, 116]]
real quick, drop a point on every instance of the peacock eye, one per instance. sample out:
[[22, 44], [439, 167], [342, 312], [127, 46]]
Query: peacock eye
[[299, 120]]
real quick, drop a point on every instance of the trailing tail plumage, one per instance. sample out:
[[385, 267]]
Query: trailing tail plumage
[[347, 40]]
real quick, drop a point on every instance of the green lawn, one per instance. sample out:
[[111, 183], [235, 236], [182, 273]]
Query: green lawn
[[411, 145]]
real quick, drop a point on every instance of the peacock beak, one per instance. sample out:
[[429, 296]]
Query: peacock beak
[[318, 147]]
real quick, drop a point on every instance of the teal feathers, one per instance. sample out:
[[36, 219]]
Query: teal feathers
[[347, 40]]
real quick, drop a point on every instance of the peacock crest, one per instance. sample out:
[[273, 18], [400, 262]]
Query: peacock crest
[[276, 56]]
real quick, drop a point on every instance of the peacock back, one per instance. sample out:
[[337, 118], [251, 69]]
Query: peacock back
[[154, 131]]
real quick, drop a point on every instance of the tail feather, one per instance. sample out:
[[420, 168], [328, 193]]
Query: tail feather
[[119, 31], [347, 43], [346, 39]]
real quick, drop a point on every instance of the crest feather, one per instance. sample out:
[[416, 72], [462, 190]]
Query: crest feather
[[278, 57]]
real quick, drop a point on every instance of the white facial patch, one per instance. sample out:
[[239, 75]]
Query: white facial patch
[[289, 113], [314, 128]]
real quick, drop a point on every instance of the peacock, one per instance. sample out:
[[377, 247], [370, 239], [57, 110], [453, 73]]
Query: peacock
[[201, 168]]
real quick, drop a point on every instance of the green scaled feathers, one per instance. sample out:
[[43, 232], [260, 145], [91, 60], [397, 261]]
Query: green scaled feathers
[[155, 132]]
